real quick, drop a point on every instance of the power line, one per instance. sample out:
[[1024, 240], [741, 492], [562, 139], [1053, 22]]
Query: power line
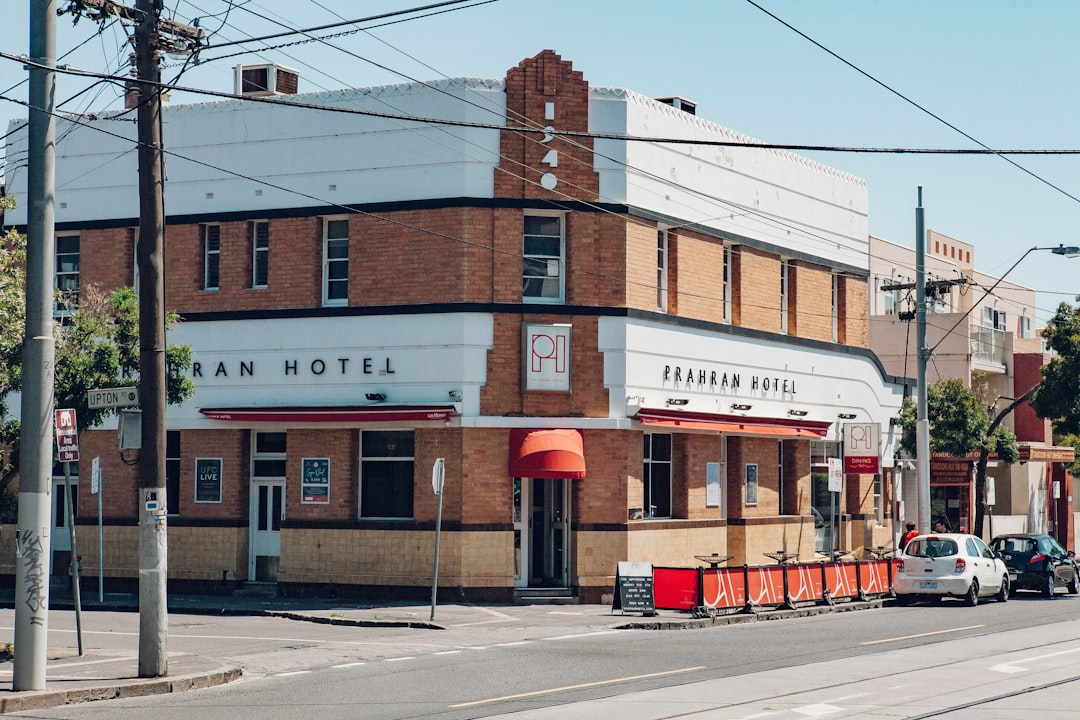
[[986, 150]]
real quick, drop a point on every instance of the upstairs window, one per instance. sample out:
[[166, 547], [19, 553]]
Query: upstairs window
[[661, 271], [67, 271], [260, 254], [725, 287], [784, 296], [211, 256], [543, 259], [335, 261]]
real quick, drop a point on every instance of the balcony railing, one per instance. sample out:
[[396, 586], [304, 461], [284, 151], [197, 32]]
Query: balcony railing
[[988, 345]]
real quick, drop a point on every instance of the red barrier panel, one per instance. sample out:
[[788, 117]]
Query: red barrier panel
[[723, 588], [675, 588], [804, 582], [875, 577], [841, 580], [765, 585]]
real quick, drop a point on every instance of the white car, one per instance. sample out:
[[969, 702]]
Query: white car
[[950, 565]]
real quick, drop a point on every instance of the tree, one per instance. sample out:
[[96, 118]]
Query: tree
[[959, 425], [1057, 396], [97, 346]]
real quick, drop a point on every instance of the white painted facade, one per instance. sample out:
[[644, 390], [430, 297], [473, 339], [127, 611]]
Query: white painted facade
[[243, 155]]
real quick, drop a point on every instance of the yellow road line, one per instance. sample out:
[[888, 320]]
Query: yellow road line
[[575, 687]]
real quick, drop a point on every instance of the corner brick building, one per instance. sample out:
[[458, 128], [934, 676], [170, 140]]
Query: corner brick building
[[621, 349]]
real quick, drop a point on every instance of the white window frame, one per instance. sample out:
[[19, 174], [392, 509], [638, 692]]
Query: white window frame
[[260, 252], [647, 475], [327, 261], [662, 264], [556, 263], [784, 267], [835, 311], [211, 256], [66, 301], [725, 287]]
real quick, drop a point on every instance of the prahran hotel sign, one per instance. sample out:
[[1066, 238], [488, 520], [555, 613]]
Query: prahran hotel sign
[[688, 378]]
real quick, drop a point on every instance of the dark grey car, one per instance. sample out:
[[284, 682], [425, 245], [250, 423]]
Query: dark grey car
[[1037, 562]]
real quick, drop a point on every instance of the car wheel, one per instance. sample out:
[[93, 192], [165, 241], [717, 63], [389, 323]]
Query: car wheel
[[972, 596], [1074, 585], [1006, 591], [1048, 589]]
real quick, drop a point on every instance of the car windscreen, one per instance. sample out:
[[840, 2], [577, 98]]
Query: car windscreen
[[1015, 545], [931, 547]]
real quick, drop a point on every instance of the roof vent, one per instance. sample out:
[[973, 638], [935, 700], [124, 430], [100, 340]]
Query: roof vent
[[680, 103], [265, 80]]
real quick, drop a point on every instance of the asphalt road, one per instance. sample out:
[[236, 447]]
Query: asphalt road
[[294, 669]]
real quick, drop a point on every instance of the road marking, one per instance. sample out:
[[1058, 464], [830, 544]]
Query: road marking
[[447, 652], [925, 634], [514, 644], [817, 710], [294, 672], [407, 657], [755, 716], [499, 617], [598, 683], [588, 634], [1013, 668], [347, 665]]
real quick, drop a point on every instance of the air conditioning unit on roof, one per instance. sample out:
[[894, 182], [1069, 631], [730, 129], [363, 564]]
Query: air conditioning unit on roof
[[266, 80]]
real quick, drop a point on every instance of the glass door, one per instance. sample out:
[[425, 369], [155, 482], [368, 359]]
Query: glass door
[[541, 533]]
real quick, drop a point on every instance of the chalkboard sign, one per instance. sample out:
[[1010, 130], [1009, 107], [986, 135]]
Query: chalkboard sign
[[207, 480], [634, 588]]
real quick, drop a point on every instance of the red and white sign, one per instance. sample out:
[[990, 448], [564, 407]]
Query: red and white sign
[[547, 356], [67, 435], [862, 448]]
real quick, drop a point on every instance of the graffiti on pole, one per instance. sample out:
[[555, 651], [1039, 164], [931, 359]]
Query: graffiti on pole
[[30, 550]]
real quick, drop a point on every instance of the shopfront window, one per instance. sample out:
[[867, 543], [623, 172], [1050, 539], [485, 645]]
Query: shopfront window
[[386, 474], [657, 475], [824, 505]]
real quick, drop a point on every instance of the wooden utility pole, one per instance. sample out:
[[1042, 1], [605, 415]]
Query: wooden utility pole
[[152, 504]]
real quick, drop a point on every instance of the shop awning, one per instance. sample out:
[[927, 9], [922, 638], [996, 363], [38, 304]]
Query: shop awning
[[332, 414], [736, 424], [547, 454]]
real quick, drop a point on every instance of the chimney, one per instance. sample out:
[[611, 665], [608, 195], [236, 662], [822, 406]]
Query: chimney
[[680, 103], [266, 80]]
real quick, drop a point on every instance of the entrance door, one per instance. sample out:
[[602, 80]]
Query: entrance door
[[267, 512], [541, 532], [61, 538]]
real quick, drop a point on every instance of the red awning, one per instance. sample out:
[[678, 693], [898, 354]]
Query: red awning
[[332, 414], [547, 454], [735, 424]]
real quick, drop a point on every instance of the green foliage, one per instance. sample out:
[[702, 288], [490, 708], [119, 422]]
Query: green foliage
[[958, 423], [1058, 395], [1071, 440]]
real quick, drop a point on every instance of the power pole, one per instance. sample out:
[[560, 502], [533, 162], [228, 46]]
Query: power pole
[[151, 502], [33, 546], [922, 425]]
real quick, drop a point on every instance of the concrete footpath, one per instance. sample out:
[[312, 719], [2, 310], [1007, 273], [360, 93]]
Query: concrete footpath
[[104, 675]]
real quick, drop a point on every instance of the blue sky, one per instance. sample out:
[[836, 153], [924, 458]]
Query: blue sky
[[1002, 72]]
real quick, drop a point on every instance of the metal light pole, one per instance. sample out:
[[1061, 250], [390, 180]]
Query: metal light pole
[[33, 545]]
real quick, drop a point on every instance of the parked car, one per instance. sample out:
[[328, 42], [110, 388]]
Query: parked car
[[950, 565], [1037, 562]]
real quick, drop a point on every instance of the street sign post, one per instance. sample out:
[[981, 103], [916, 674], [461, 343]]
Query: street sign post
[[438, 478], [67, 435]]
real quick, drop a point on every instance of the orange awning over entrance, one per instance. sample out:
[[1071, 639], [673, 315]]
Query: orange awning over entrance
[[735, 424], [551, 454]]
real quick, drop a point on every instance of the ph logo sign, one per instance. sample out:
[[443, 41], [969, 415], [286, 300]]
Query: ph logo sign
[[546, 356], [862, 447]]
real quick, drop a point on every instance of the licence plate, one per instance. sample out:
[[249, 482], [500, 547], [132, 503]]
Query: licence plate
[[927, 585], [1012, 575]]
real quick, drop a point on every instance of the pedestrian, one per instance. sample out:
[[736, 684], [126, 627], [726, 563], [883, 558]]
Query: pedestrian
[[940, 526], [910, 533]]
